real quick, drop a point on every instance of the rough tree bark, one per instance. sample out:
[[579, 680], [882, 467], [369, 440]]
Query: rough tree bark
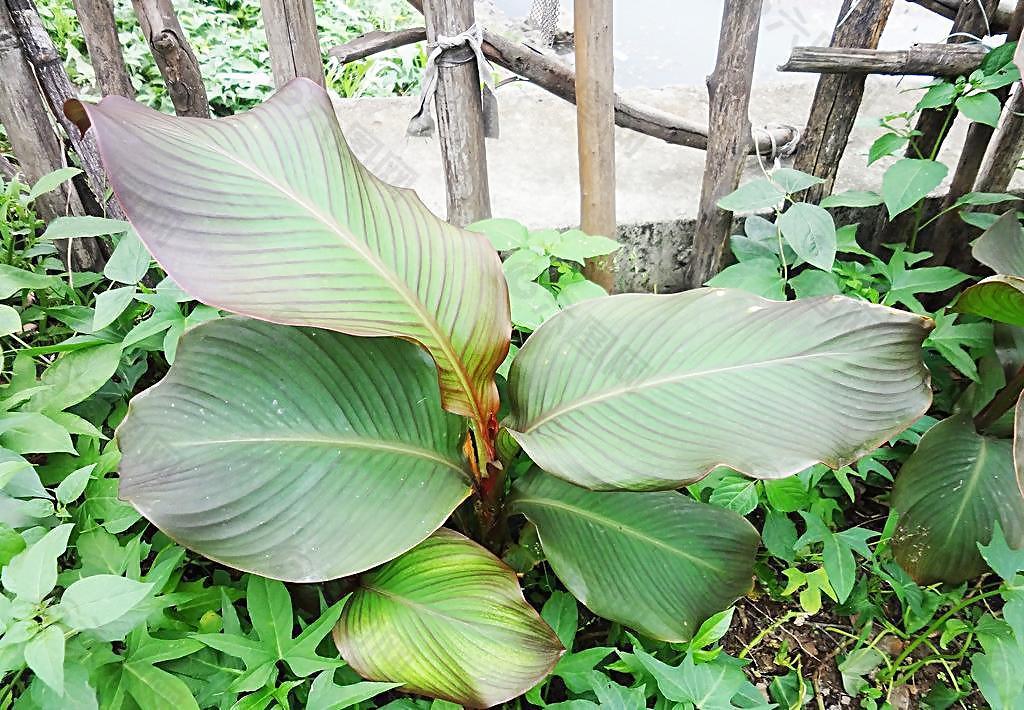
[[460, 117], [595, 129], [100, 31], [87, 254], [729, 89], [293, 40], [837, 98], [174, 57], [27, 121]]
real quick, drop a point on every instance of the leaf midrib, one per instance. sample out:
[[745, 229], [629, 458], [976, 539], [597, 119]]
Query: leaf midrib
[[433, 327], [339, 442], [972, 482], [657, 382], [620, 527]]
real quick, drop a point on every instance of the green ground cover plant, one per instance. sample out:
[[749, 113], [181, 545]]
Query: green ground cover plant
[[375, 465]]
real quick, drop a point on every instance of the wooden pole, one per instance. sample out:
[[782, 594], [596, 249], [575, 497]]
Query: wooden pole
[[595, 128], [58, 90], [971, 21], [949, 236], [729, 89], [100, 31], [460, 117], [555, 77], [173, 56], [948, 60], [837, 97], [27, 121], [1004, 153], [293, 40], [1000, 19]]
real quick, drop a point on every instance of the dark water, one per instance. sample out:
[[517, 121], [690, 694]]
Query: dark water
[[673, 42]]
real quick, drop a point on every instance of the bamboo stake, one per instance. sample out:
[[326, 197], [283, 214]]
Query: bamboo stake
[[595, 128], [173, 56], [460, 118], [837, 98], [100, 31], [729, 88], [293, 40]]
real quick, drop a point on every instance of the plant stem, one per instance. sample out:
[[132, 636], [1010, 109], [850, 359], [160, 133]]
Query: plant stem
[[1005, 399], [937, 624], [919, 212]]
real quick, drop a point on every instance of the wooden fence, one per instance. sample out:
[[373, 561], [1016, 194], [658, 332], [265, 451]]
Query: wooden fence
[[35, 87]]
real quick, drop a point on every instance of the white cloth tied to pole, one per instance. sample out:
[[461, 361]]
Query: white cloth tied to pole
[[422, 123]]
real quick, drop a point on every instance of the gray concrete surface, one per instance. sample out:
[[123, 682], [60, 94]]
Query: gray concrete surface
[[533, 165]]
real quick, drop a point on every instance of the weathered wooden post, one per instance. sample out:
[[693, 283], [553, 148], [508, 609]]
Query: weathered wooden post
[[58, 89], [595, 127], [971, 21], [1005, 151], [460, 117], [173, 56], [293, 40], [729, 134], [100, 31], [838, 96], [27, 121], [949, 236]]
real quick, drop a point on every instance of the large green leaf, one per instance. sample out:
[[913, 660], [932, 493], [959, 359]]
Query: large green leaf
[[658, 562], [296, 453], [447, 619], [270, 215], [949, 495], [653, 392], [1018, 443], [1001, 247], [1000, 298]]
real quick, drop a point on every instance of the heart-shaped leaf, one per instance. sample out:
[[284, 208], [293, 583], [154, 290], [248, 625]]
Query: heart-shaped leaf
[[270, 215], [659, 562], [447, 619], [296, 453], [999, 298], [653, 392], [949, 495]]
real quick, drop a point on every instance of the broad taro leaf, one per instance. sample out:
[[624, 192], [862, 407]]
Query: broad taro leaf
[[653, 392], [1001, 247], [657, 562], [447, 619], [1000, 298], [949, 494], [269, 214], [296, 453]]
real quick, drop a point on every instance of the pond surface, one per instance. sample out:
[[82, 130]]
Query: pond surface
[[674, 42]]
